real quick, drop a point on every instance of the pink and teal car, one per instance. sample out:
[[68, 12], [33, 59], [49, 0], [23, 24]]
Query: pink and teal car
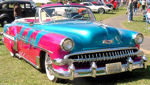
[[67, 43]]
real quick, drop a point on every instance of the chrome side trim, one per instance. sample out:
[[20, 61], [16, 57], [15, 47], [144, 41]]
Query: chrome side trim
[[37, 67], [8, 36], [15, 46], [45, 50], [15, 41]]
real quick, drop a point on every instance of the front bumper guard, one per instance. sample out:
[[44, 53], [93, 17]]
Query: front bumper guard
[[94, 71]]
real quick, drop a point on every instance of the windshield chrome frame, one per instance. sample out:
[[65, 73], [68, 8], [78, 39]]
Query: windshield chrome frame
[[40, 9]]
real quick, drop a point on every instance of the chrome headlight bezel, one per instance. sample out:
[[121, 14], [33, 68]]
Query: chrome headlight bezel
[[67, 44], [139, 38]]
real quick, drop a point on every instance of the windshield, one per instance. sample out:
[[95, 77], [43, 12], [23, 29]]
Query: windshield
[[66, 13]]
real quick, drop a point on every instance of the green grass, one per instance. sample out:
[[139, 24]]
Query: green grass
[[137, 25], [113, 13]]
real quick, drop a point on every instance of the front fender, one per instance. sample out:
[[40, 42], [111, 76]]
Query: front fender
[[2, 16], [51, 43], [127, 36]]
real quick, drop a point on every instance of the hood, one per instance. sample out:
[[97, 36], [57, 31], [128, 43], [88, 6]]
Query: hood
[[88, 35]]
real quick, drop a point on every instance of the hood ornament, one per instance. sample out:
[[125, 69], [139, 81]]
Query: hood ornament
[[107, 41]]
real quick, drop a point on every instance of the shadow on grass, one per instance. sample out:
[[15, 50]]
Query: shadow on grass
[[138, 21], [110, 13], [1, 43], [115, 78], [107, 13]]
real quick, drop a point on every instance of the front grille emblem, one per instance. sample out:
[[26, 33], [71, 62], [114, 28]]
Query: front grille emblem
[[107, 41]]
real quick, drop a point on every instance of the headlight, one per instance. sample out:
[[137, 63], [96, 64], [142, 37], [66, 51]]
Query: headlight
[[139, 38], [67, 44]]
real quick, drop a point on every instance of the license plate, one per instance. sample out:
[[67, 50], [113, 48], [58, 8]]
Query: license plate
[[113, 68]]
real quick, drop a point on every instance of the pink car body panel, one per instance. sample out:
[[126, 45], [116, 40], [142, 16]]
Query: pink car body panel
[[29, 52]]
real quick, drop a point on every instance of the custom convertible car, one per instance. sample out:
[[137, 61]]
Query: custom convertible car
[[67, 42]]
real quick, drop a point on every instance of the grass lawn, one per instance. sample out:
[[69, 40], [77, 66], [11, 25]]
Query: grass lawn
[[119, 11], [138, 25], [18, 72]]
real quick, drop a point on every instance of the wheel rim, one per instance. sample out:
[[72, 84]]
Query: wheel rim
[[48, 63], [101, 11]]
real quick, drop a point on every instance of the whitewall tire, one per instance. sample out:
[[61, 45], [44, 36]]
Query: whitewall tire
[[48, 69]]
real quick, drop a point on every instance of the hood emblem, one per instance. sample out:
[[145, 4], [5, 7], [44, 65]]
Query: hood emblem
[[107, 41]]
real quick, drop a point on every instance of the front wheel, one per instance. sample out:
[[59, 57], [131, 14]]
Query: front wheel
[[48, 68], [101, 11]]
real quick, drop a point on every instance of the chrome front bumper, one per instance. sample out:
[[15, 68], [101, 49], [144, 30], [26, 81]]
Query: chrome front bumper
[[94, 71]]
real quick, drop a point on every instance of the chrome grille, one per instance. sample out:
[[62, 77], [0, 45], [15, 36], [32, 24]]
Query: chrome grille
[[103, 55], [83, 60], [87, 65]]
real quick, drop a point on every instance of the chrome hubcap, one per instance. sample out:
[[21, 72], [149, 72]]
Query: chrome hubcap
[[101, 11]]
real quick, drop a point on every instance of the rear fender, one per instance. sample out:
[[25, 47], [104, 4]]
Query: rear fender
[[10, 35]]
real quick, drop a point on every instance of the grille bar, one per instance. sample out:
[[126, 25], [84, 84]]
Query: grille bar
[[103, 55], [103, 58]]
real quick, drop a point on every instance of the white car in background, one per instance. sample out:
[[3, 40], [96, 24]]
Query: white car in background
[[99, 8]]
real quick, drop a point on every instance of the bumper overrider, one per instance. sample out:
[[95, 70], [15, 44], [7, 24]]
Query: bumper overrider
[[94, 70]]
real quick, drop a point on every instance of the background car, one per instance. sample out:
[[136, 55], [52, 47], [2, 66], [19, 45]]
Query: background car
[[100, 3], [7, 10], [99, 8]]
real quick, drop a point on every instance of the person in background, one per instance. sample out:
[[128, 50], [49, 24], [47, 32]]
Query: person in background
[[60, 1], [143, 5], [135, 3], [65, 2], [130, 11], [139, 4], [17, 11]]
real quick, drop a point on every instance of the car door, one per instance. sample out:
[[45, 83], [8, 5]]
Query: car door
[[7, 9], [23, 43], [29, 11], [29, 36]]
